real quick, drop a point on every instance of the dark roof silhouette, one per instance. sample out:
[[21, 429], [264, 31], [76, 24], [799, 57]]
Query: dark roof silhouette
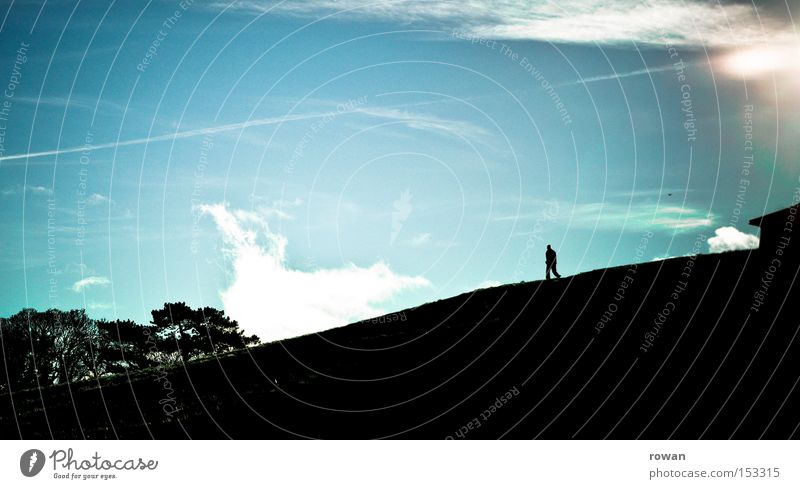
[[778, 216], [776, 227]]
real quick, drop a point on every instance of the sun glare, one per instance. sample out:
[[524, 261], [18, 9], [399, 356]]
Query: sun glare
[[763, 60]]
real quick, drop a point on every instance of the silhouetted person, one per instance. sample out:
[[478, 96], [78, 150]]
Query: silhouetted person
[[550, 261]]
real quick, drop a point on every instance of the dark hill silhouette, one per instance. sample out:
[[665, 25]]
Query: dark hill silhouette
[[716, 368]]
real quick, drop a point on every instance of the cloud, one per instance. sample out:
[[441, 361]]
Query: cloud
[[270, 299], [402, 209], [639, 217], [681, 22], [420, 239], [280, 209], [487, 284], [83, 283], [31, 189], [683, 223], [729, 239], [97, 199], [612, 216], [38, 189]]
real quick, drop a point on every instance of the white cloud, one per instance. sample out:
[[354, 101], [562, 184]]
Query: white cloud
[[272, 300], [611, 216], [37, 189], [30, 189], [402, 209], [729, 239], [683, 223], [682, 22], [83, 283], [97, 199], [678, 210], [280, 209], [614, 215], [420, 239], [487, 284]]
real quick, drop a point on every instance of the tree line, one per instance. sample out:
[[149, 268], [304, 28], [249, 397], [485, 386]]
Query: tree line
[[42, 348]]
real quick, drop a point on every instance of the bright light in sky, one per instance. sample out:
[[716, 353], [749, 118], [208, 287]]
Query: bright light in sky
[[764, 60]]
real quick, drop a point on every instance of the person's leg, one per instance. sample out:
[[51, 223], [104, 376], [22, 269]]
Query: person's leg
[[547, 272], [555, 271]]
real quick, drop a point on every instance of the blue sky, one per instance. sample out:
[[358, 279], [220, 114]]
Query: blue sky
[[305, 164]]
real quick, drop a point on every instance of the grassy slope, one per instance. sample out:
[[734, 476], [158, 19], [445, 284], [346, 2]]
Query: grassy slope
[[708, 373]]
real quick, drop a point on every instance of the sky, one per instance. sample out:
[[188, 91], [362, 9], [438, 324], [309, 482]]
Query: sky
[[303, 165]]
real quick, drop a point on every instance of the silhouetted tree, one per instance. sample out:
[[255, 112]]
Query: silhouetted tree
[[190, 332], [122, 346], [76, 342], [15, 351], [37, 339], [44, 348]]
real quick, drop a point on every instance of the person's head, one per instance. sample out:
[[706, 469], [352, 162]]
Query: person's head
[[548, 247]]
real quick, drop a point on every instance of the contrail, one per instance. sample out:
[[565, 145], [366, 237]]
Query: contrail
[[615, 76], [384, 113], [176, 135]]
